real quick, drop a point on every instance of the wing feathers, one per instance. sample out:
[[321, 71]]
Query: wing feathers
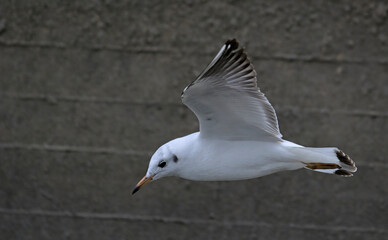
[[227, 91]]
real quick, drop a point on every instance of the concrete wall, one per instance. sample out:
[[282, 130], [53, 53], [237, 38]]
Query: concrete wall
[[88, 90]]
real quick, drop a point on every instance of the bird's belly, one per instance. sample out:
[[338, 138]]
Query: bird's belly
[[241, 161], [232, 173]]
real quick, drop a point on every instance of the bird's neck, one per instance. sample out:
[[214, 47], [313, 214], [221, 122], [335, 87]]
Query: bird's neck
[[184, 149]]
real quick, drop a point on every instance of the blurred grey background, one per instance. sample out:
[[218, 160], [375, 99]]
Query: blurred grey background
[[88, 90]]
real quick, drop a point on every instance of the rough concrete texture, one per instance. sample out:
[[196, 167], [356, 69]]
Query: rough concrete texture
[[89, 89]]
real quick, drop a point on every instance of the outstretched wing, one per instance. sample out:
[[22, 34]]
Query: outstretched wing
[[227, 102]]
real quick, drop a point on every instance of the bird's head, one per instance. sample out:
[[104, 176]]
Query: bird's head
[[163, 163]]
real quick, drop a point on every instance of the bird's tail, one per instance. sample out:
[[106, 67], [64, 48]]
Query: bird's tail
[[326, 160]]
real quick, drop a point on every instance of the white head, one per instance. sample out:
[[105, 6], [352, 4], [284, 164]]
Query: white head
[[163, 163]]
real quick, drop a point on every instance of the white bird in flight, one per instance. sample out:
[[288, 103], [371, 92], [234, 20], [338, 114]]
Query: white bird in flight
[[239, 136]]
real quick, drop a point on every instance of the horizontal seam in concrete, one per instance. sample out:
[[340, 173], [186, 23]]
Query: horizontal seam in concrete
[[163, 50], [63, 46], [188, 221], [78, 149], [354, 112], [98, 150], [54, 99]]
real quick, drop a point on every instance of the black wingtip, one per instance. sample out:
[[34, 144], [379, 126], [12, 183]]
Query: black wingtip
[[343, 173], [233, 43], [344, 158], [135, 190]]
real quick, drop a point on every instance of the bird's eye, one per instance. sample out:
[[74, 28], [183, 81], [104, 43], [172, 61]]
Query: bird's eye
[[162, 164]]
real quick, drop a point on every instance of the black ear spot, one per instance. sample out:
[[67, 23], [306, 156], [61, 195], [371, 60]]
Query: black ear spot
[[175, 159]]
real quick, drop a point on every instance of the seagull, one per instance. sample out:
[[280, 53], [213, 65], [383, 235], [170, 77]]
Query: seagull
[[239, 135]]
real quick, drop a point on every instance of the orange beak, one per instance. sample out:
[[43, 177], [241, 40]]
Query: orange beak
[[141, 183]]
